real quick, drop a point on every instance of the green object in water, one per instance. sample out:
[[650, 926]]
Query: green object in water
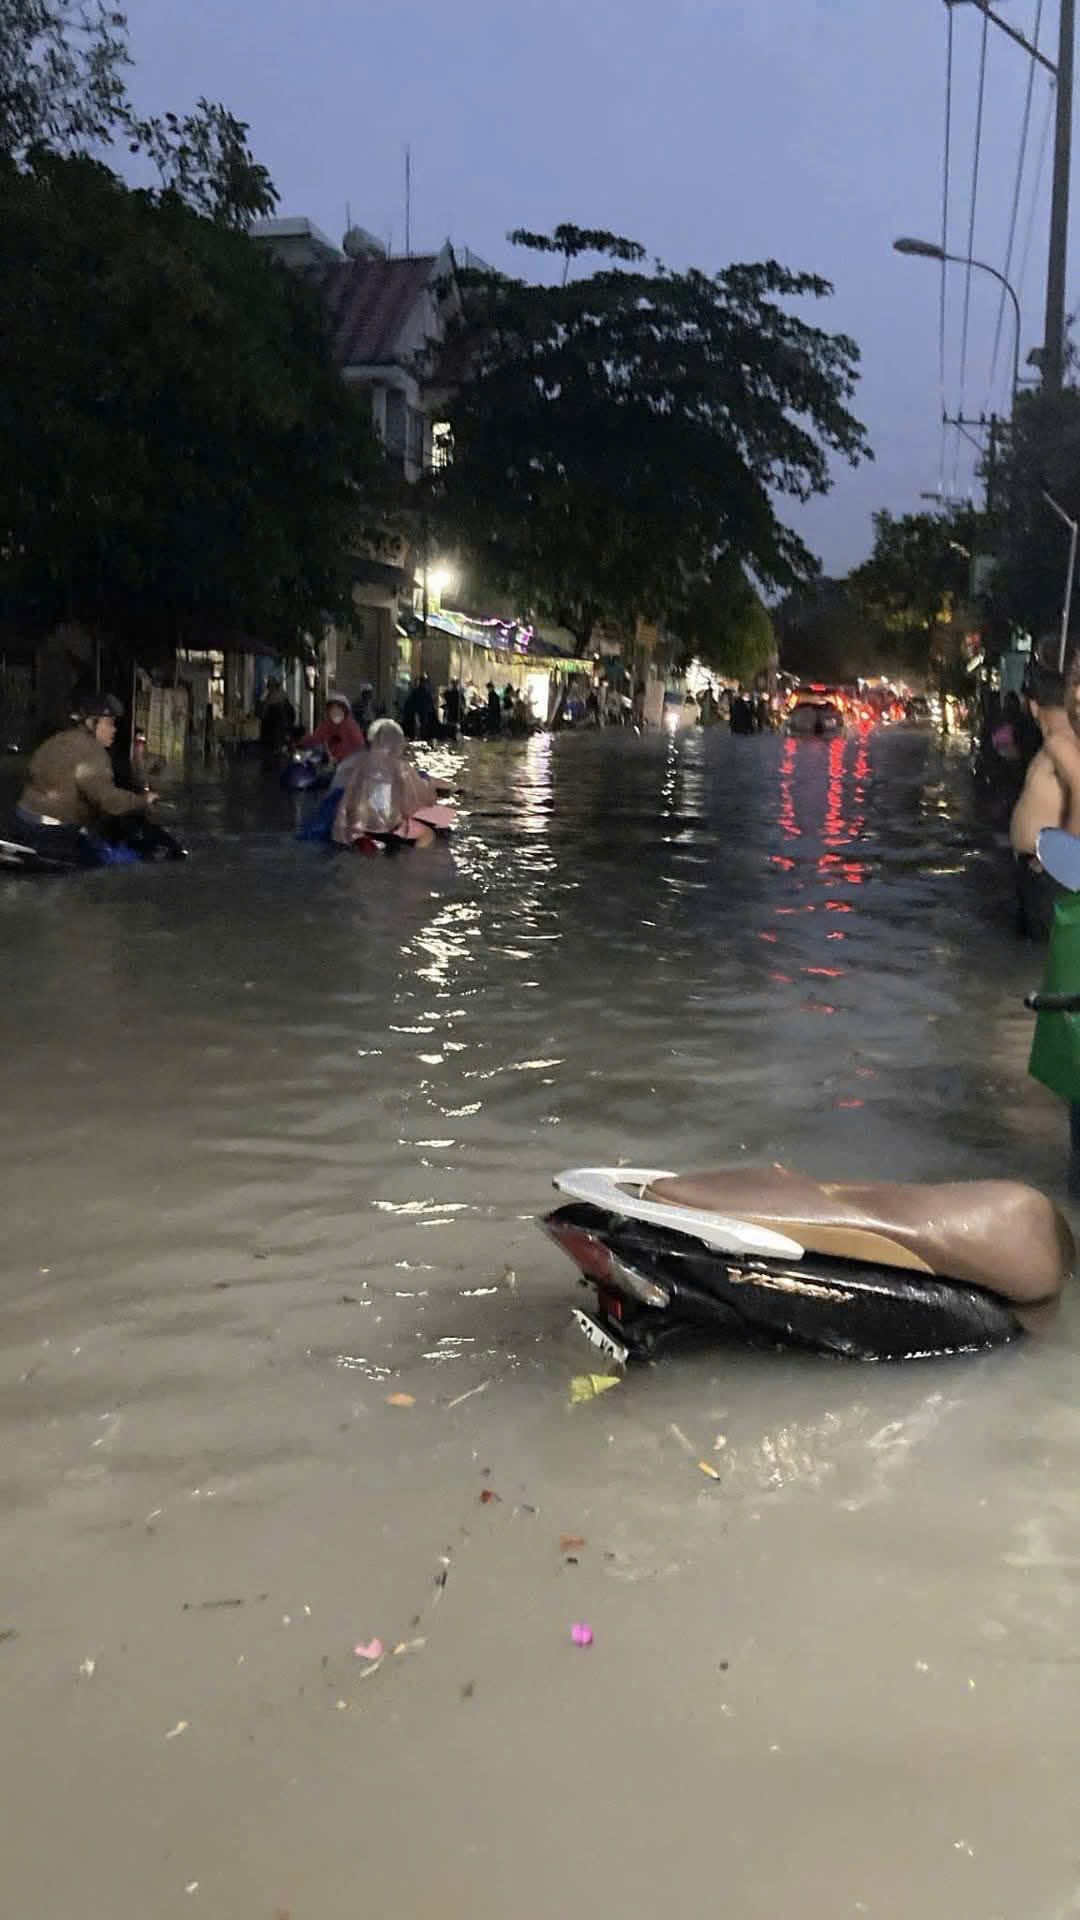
[[1055, 1051]]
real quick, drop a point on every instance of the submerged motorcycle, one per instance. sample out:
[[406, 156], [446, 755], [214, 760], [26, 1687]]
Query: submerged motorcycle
[[875, 1271], [307, 769], [141, 840]]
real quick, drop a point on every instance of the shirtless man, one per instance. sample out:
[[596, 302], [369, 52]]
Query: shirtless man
[[1062, 748], [1044, 798]]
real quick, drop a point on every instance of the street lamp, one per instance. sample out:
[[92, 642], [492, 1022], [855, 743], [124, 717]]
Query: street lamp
[[929, 250]]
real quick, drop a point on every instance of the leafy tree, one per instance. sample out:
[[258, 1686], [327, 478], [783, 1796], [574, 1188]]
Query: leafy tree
[[919, 569], [63, 89], [824, 634], [61, 74], [180, 452], [1042, 456], [723, 623], [618, 434]]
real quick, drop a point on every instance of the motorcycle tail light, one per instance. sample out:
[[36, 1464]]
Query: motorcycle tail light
[[587, 1251]]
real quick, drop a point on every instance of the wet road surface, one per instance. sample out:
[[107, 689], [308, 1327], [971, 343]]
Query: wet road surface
[[275, 1130]]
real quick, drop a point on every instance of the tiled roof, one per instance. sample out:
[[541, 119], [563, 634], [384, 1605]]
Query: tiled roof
[[368, 303]]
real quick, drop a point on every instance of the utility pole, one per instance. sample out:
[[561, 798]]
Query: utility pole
[[992, 426], [1054, 341]]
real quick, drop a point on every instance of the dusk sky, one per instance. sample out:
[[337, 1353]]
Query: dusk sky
[[810, 131]]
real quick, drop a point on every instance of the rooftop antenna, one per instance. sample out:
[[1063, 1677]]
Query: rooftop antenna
[[408, 203]]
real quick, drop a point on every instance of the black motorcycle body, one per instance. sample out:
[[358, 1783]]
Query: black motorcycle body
[[875, 1272]]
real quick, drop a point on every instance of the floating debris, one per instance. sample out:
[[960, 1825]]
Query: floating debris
[[489, 1496], [570, 1542], [175, 1732], [581, 1634], [208, 1606], [369, 1650], [87, 1668], [451, 1404], [588, 1386], [678, 1434], [401, 1400], [708, 1468]]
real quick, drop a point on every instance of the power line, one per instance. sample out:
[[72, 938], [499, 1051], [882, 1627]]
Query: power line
[[974, 206], [1040, 167], [1017, 192]]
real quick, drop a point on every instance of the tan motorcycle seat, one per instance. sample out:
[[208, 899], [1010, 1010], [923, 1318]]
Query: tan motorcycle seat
[[995, 1234]]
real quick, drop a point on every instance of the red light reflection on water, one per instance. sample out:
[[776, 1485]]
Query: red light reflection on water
[[822, 803], [789, 825], [846, 768]]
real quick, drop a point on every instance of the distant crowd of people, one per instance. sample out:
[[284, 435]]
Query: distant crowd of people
[[422, 713]]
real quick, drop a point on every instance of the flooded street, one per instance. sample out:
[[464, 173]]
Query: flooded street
[[276, 1129]]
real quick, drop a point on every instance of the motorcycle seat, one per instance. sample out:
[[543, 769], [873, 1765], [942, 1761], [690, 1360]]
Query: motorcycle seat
[[996, 1234]]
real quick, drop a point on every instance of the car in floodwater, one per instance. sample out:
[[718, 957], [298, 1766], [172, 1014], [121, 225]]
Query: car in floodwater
[[815, 719]]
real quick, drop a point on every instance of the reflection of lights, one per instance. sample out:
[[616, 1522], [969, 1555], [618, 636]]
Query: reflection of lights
[[440, 581]]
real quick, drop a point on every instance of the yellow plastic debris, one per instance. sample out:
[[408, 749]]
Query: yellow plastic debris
[[588, 1386]]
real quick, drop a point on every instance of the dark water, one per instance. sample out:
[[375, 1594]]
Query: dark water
[[275, 1132]]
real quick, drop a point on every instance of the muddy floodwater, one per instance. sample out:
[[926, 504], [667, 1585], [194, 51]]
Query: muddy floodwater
[[275, 1130]]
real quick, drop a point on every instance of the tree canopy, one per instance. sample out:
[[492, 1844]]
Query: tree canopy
[[824, 634], [63, 89], [723, 622], [180, 452], [618, 435], [1042, 456], [919, 571]]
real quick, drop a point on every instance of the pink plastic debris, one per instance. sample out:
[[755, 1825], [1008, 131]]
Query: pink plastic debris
[[581, 1635], [369, 1649]]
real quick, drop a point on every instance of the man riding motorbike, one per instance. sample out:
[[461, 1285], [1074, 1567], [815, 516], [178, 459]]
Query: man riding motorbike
[[71, 805]]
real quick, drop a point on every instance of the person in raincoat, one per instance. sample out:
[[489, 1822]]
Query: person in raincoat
[[387, 798], [338, 732]]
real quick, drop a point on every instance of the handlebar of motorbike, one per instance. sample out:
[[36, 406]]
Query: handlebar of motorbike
[[1053, 1002]]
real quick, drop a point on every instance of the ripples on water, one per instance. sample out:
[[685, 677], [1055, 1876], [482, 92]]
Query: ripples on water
[[687, 948], [276, 1128]]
